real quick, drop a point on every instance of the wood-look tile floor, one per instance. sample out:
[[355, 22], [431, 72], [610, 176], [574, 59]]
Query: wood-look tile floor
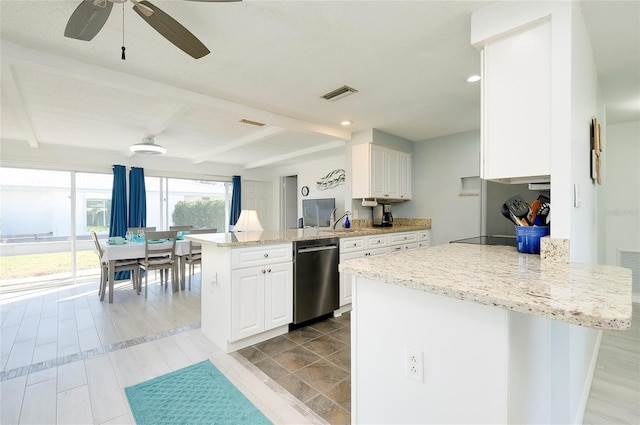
[[615, 390], [66, 357], [313, 364]]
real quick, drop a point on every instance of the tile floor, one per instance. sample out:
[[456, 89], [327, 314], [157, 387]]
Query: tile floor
[[313, 364], [66, 357]]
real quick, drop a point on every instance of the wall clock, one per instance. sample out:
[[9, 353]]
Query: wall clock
[[304, 190]]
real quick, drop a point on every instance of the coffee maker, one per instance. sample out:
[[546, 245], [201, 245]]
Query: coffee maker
[[382, 215]]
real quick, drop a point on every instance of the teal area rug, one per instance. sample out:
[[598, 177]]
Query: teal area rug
[[197, 394]]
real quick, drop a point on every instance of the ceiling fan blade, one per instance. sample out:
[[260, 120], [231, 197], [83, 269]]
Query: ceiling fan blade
[[171, 29], [88, 19]]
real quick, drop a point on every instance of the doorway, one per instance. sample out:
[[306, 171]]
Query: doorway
[[289, 202]]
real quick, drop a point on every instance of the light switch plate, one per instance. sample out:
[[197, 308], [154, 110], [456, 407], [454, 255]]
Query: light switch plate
[[577, 196]]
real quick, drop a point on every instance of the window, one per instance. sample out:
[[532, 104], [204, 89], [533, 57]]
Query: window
[[98, 213], [35, 211], [40, 235]]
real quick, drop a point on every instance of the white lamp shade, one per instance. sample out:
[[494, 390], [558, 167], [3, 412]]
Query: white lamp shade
[[248, 222]]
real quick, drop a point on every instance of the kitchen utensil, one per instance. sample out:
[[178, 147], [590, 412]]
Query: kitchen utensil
[[535, 206], [505, 212], [519, 208], [542, 215]]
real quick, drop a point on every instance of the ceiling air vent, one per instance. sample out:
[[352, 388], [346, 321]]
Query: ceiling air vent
[[339, 93], [256, 123]]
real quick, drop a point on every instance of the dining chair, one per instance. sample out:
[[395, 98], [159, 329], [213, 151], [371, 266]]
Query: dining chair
[[181, 228], [195, 252], [160, 254], [120, 265]]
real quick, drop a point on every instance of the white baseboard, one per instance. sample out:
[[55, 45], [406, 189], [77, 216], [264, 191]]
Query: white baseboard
[[587, 384]]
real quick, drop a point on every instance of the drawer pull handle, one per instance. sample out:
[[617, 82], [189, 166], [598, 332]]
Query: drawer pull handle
[[268, 270], [266, 255], [263, 271]]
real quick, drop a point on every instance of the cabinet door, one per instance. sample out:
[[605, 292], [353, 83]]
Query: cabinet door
[[392, 174], [278, 300], [247, 302], [516, 102], [345, 279], [404, 175], [378, 171]]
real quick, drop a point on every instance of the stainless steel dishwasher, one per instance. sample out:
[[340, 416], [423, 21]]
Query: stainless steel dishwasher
[[316, 283]]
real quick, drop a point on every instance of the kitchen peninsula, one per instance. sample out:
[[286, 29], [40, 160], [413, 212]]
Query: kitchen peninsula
[[487, 326], [247, 277]]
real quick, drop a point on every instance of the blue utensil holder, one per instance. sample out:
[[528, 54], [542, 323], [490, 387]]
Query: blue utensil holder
[[528, 238]]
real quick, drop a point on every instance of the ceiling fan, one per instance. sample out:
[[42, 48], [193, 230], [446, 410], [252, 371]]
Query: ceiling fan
[[91, 15]]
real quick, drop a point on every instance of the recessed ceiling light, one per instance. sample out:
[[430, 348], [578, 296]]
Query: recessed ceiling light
[[346, 122], [473, 79]]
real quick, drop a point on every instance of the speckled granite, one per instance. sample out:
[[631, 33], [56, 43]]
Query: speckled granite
[[268, 237], [425, 223], [554, 249], [587, 295]]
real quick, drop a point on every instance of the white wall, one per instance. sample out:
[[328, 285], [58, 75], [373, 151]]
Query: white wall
[[619, 204], [438, 165], [309, 173]]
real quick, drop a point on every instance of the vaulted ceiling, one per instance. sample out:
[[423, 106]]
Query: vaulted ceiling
[[270, 63]]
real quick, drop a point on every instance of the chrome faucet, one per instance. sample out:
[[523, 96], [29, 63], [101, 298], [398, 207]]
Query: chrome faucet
[[335, 221]]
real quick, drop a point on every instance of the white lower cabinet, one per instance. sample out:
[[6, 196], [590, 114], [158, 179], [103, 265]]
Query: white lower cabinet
[[261, 299], [406, 241], [261, 294], [358, 247]]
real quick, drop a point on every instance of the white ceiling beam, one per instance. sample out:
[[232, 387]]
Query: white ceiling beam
[[73, 68], [160, 124], [247, 140], [12, 92], [278, 158]]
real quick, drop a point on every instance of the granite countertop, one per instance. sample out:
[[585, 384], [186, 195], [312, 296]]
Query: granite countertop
[[595, 296], [268, 237]]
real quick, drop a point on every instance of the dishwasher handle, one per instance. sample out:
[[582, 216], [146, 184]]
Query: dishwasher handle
[[317, 248]]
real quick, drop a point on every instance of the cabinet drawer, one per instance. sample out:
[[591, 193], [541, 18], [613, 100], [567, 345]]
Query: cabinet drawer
[[351, 244], [376, 251], [375, 241], [423, 236], [404, 237], [259, 255]]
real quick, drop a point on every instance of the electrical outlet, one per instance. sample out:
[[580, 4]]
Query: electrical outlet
[[414, 364]]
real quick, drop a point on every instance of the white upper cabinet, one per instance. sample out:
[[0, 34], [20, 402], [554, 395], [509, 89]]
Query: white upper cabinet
[[516, 106], [380, 172]]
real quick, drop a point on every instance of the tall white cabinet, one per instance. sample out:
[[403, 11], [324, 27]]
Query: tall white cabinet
[[380, 172], [516, 105]]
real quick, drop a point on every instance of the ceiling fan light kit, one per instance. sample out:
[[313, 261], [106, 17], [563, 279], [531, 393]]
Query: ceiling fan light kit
[[91, 15], [148, 147]]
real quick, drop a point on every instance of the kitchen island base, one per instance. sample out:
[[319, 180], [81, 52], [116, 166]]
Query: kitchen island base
[[481, 364]]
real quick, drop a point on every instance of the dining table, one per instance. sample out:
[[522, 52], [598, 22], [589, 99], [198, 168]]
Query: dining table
[[134, 250]]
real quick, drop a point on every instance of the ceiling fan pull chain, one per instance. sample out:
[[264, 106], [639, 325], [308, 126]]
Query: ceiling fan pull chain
[[123, 48]]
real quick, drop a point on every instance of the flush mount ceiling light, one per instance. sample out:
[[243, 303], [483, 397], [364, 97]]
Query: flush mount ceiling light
[[346, 122], [473, 79], [148, 147]]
